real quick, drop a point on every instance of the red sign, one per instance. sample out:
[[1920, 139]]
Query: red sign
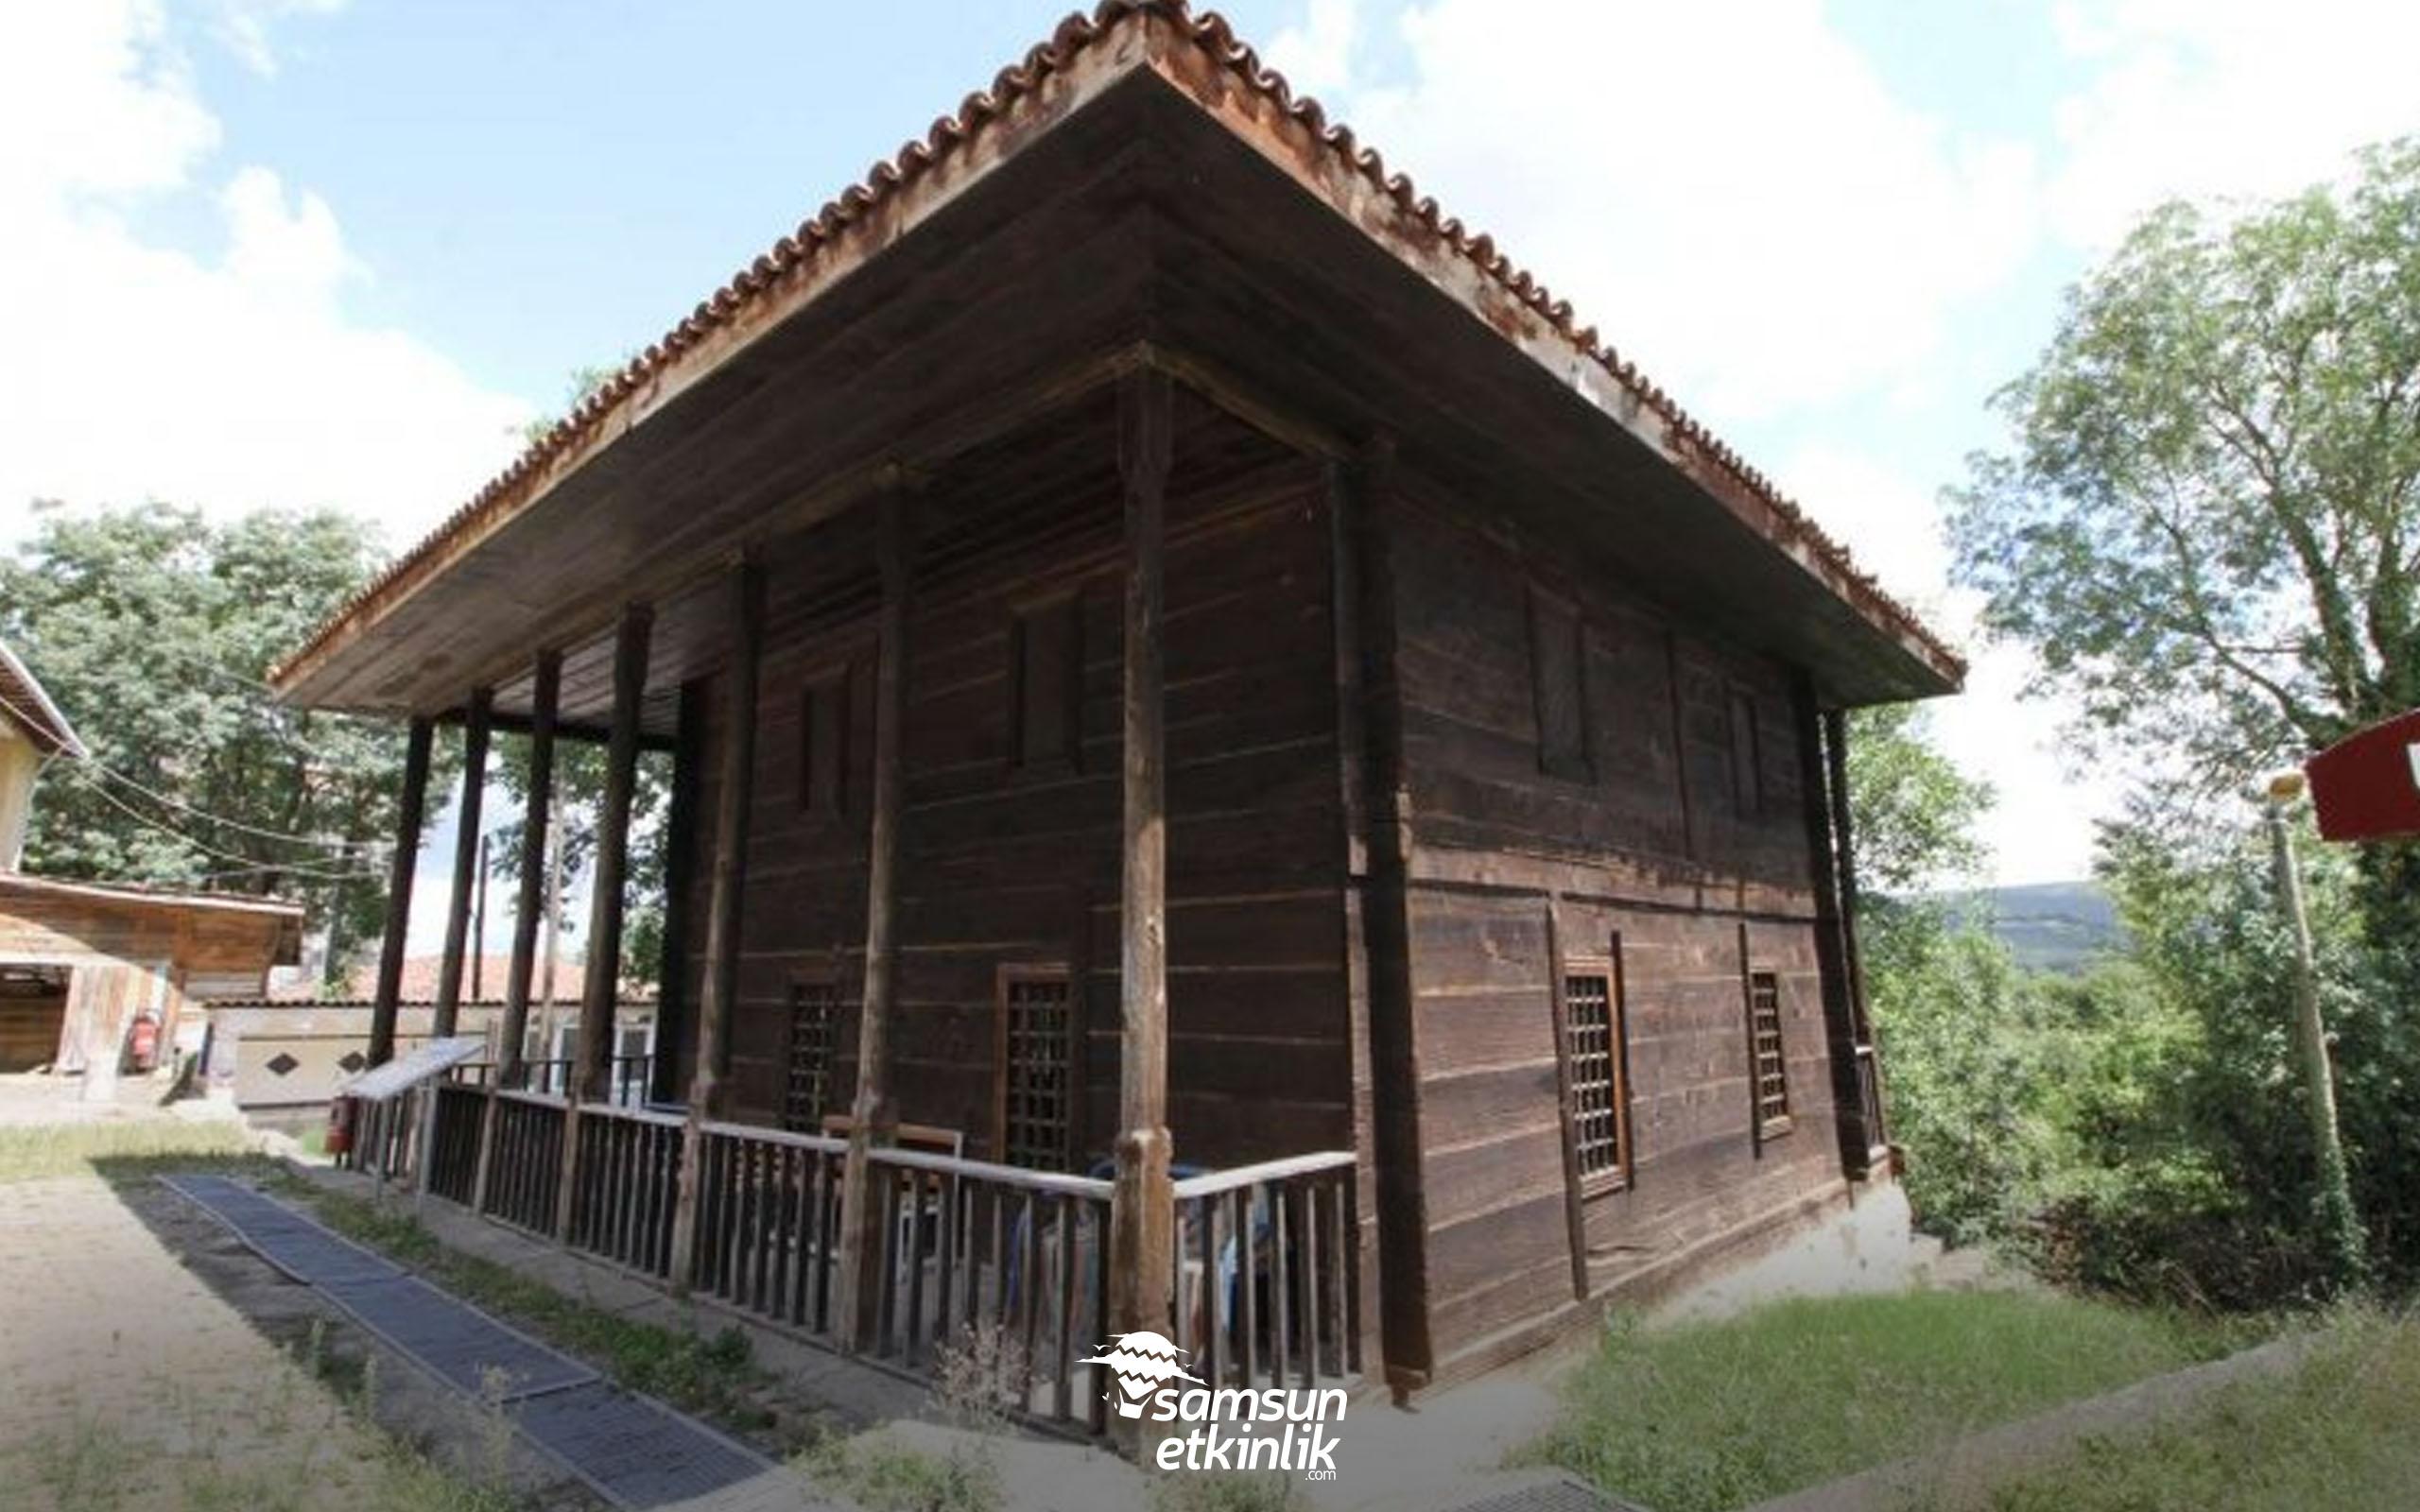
[[2367, 786]]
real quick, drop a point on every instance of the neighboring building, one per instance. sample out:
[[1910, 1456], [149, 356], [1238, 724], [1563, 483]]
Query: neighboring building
[[32, 733], [81, 963], [283, 1060], [1205, 660]]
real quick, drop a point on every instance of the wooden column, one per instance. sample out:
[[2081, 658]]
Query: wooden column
[[1832, 950], [675, 1005], [720, 983], [1142, 1203], [528, 906], [1395, 1300], [1835, 757], [545, 683], [601, 986], [873, 1116], [466, 860], [410, 809], [592, 1070]]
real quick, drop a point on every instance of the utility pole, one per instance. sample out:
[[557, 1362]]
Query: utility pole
[[2339, 1225]]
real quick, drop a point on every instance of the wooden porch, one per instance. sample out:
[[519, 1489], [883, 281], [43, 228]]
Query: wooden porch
[[1001, 1262]]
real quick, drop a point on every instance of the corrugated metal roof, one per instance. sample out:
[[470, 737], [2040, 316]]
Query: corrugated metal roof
[[786, 261], [23, 703]]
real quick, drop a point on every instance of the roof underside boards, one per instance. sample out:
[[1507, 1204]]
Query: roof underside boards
[[1144, 189]]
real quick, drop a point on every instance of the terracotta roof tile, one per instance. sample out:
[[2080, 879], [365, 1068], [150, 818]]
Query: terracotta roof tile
[[1211, 32]]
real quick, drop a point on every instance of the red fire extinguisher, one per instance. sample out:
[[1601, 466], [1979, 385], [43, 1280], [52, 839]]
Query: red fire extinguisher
[[144, 1046], [339, 1140]]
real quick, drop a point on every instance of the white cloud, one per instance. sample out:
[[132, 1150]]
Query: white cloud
[[2221, 99], [1726, 188], [228, 382]]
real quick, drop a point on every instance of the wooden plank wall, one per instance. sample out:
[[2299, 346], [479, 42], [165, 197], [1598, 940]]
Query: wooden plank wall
[[1655, 840], [115, 949], [1010, 866]]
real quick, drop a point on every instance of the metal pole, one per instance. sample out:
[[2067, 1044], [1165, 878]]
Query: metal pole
[[2339, 1225]]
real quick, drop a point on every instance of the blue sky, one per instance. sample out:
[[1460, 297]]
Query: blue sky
[[293, 252]]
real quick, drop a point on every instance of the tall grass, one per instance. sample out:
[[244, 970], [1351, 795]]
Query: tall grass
[[1711, 1415], [2342, 1432]]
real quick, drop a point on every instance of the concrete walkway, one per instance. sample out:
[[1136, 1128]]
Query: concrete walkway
[[1964, 1473]]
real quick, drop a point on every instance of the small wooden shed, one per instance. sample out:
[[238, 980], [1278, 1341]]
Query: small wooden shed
[[1195, 681]]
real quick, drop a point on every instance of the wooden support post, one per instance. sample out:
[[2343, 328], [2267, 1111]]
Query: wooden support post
[[720, 983], [1395, 1304], [1836, 755], [529, 896], [1831, 948], [1143, 1201], [675, 1006], [873, 1116], [466, 863], [410, 809], [601, 986]]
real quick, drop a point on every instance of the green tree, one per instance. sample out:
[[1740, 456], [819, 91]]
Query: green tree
[[2208, 525], [154, 629]]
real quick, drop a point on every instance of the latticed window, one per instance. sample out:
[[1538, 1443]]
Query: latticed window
[[1592, 1057], [815, 1022], [1771, 1061], [1037, 1066]]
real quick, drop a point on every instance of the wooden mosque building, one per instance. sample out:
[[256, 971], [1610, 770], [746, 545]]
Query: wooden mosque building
[[1237, 772]]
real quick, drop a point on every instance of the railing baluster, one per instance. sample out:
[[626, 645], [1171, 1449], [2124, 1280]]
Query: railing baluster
[[1281, 1335], [1205, 1222], [1060, 1377], [1247, 1203], [1308, 1370], [946, 1239], [1029, 1296]]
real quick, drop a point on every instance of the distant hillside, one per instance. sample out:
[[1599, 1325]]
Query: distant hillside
[[2049, 926]]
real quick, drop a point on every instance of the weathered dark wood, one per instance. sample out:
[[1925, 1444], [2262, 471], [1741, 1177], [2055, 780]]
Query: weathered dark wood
[[1835, 751], [600, 988], [733, 792], [410, 810], [873, 1114], [1142, 1217], [468, 850], [530, 897], [675, 1005], [1400, 1202], [1831, 944], [1576, 1219]]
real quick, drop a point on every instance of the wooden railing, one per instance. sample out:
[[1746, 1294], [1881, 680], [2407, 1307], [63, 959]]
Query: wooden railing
[[627, 1178], [453, 1152], [1001, 1265], [1001, 1260], [1267, 1257], [384, 1134], [768, 1219], [524, 1168]]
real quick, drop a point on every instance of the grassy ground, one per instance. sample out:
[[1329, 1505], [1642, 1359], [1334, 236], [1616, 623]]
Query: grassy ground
[[122, 1150], [2343, 1432], [1711, 1415]]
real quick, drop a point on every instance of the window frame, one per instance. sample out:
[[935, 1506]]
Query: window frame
[[1555, 620], [795, 998], [1024, 617], [1006, 980], [1608, 967], [1752, 980], [827, 688]]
